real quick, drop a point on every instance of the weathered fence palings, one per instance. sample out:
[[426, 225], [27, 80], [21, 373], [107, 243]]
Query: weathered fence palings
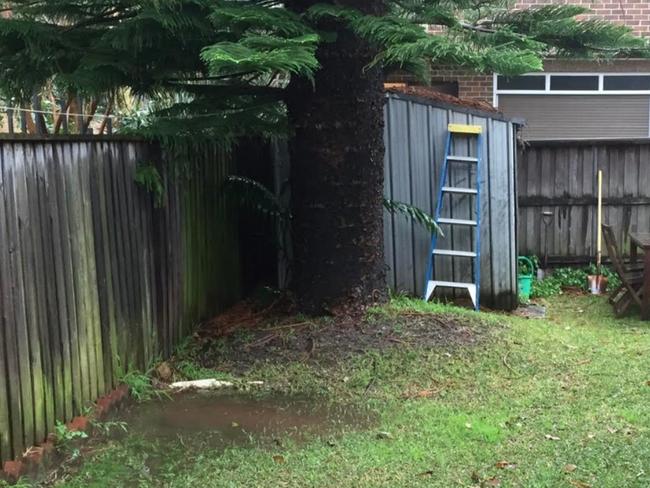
[[560, 177], [93, 278]]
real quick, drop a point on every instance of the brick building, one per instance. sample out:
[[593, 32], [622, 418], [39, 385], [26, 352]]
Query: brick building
[[571, 98]]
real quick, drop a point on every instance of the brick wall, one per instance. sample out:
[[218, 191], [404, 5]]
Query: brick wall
[[470, 84], [633, 13], [480, 87]]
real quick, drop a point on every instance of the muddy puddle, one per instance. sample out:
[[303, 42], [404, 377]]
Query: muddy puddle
[[240, 419], [173, 430]]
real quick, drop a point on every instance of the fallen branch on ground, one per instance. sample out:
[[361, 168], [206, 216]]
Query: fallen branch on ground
[[209, 384]]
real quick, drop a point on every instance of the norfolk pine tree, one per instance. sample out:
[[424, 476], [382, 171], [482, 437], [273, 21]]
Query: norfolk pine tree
[[221, 69]]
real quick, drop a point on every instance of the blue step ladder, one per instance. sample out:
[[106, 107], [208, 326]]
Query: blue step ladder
[[456, 132]]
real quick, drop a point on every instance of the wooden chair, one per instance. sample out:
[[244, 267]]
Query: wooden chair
[[631, 276]]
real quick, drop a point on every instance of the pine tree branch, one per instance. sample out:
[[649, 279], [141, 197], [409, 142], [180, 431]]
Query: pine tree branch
[[103, 18], [13, 8], [232, 90], [215, 64], [210, 78], [476, 28]]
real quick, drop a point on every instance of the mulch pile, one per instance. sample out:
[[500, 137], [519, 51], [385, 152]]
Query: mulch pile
[[431, 94], [246, 334]]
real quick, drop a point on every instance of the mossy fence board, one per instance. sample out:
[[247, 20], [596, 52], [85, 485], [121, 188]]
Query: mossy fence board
[[94, 279]]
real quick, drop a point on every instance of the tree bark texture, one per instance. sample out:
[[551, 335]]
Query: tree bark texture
[[337, 174]]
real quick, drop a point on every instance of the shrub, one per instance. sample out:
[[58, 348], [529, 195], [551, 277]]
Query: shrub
[[570, 277], [546, 288]]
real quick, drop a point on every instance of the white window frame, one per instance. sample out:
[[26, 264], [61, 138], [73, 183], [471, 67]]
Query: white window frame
[[547, 90]]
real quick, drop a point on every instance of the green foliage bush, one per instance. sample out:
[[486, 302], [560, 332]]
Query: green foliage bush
[[546, 288], [140, 386], [570, 277], [147, 176], [65, 435]]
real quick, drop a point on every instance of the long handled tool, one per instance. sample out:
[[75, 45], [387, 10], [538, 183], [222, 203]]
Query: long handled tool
[[597, 282], [599, 246]]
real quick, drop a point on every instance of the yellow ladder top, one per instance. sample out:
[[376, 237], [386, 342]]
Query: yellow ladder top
[[465, 129]]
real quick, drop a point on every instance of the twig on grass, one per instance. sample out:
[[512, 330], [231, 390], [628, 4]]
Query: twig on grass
[[504, 359], [395, 340], [373, 378], [261, 342], [288, 326]]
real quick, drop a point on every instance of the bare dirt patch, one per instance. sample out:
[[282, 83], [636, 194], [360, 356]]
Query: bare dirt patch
[[281, 339]]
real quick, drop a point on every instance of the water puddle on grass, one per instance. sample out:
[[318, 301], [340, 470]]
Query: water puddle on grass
[[224, 420]]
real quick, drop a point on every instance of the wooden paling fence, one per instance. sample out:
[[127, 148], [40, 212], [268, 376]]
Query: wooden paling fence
[[94, 279], [560, 178]]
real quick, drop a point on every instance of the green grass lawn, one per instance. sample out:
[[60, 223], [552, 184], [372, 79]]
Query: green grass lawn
[[557, 402]]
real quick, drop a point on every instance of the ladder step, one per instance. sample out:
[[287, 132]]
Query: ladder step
[[472, 288], [452, 284], [457, 222], [466, 159], [451, 252], [466, 191], [465, 129]]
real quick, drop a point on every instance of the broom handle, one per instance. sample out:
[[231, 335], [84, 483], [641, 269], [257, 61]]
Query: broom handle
[[600, 220]]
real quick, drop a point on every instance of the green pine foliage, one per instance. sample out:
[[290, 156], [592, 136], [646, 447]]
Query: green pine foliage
[[218, 68], [413, 213]]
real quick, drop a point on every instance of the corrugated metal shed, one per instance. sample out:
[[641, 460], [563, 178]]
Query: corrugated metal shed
[[415, 135]]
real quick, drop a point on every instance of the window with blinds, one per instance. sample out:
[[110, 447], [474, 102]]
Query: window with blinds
[[554, 117], [564, 106]]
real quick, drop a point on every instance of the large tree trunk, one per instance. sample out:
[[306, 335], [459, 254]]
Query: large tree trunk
[[337, 175]]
